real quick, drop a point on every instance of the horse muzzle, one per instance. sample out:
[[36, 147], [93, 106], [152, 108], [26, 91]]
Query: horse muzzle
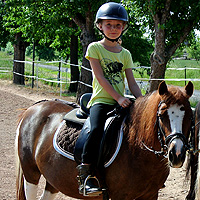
[[176, 149]]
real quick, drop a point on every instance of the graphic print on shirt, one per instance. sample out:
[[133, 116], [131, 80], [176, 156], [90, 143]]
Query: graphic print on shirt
[[112, 71]]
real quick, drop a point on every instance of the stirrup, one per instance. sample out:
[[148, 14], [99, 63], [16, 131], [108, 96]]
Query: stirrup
[[84, 187]]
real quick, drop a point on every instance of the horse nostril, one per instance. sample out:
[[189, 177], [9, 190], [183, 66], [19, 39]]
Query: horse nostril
[[171, 156]]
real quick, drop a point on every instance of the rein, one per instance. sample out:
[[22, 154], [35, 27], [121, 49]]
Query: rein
[[168, 139]]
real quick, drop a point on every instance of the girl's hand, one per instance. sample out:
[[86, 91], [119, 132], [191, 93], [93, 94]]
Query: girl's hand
[[124, 102]]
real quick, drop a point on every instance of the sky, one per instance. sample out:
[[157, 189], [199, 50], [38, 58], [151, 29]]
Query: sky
[[197, 32]]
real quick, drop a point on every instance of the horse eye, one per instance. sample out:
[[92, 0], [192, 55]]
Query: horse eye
[[182, 108], [163, 106]]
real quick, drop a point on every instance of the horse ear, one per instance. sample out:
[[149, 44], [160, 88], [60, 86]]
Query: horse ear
[[189, 88], [162, 88]]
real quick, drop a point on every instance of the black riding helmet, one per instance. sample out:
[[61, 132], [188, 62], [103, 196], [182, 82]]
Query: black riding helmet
[[114, 11]]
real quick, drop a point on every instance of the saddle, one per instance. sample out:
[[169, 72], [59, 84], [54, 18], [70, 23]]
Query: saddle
[[70, 137]]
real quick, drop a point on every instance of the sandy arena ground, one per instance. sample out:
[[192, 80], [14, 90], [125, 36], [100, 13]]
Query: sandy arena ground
[[12, 99]]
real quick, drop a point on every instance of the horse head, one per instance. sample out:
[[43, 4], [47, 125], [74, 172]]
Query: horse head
[[174, 119]]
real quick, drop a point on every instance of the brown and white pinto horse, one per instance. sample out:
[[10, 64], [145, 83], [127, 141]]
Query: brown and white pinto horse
[[155, 137], [194, 159]]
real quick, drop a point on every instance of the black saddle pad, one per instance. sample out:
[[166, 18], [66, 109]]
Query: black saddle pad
[[72, 136]]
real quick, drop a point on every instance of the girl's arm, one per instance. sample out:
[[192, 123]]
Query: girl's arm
[[98, 72], [133, 86]]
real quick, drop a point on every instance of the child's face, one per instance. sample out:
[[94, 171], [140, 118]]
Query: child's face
[[112, 28]]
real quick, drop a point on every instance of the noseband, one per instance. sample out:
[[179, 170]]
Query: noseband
[[164, 140]]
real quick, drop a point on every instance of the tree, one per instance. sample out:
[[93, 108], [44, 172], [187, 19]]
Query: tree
[[139, 46], [4, 34], [171, 22], [83, 15], [74, 63], [194, 50], [31, 22], [8, 15], [44, 22], [19, 54]]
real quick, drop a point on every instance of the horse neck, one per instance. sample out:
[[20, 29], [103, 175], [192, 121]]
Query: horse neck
[[142, 121]]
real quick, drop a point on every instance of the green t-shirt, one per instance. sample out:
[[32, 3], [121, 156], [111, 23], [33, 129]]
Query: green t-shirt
[[113, 66]]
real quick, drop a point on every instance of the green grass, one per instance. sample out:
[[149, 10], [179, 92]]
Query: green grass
[[180, 74], [6, 64], [177, 73]]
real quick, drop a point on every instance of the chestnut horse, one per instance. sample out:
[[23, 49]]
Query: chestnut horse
[[194, 161], [156, 132]]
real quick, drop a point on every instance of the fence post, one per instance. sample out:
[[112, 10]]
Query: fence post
[[60, 70], [185, 75], [59, 73], [33, 65], [37, 74]]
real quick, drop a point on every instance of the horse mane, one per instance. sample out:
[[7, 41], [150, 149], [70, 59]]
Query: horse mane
[[142, 117]]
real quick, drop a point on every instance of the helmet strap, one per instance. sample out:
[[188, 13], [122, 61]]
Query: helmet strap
[[112, 40]]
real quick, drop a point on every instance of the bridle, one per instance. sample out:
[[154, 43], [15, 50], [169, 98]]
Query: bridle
[[165, 141]]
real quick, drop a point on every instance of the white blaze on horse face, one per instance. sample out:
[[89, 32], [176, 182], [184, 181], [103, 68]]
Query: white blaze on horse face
[[176, 115]]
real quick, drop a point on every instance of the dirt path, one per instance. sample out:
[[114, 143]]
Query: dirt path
[[12, 99]]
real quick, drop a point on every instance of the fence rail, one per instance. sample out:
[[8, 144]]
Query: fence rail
[[63, 73]]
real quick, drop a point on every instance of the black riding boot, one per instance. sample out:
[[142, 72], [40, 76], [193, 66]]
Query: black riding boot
[[86, 181]]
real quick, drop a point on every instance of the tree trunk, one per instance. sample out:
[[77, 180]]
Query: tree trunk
[[19, 54], [158, 57], [73, 62], [86, 75], [87, 36], [157, 71]]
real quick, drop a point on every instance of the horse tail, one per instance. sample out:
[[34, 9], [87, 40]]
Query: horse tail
[[19, 173], [20, 184]]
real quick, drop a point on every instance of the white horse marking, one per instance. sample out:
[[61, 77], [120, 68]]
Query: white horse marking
[[48, 195], [176, 114], [30, 190]]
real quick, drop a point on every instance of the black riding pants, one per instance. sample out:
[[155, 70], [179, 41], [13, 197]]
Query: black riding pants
[[98, 116]]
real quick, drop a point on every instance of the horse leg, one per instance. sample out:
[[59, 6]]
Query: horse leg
[[30, 190], [193, 164], [25, 189], [49, 193]]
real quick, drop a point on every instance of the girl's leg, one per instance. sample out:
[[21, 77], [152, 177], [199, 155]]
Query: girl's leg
[[98, 116]]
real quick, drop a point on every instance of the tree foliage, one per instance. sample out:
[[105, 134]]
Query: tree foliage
[[52, 23], [4, 34], [170, 24], [194, 50], [139, 46]]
